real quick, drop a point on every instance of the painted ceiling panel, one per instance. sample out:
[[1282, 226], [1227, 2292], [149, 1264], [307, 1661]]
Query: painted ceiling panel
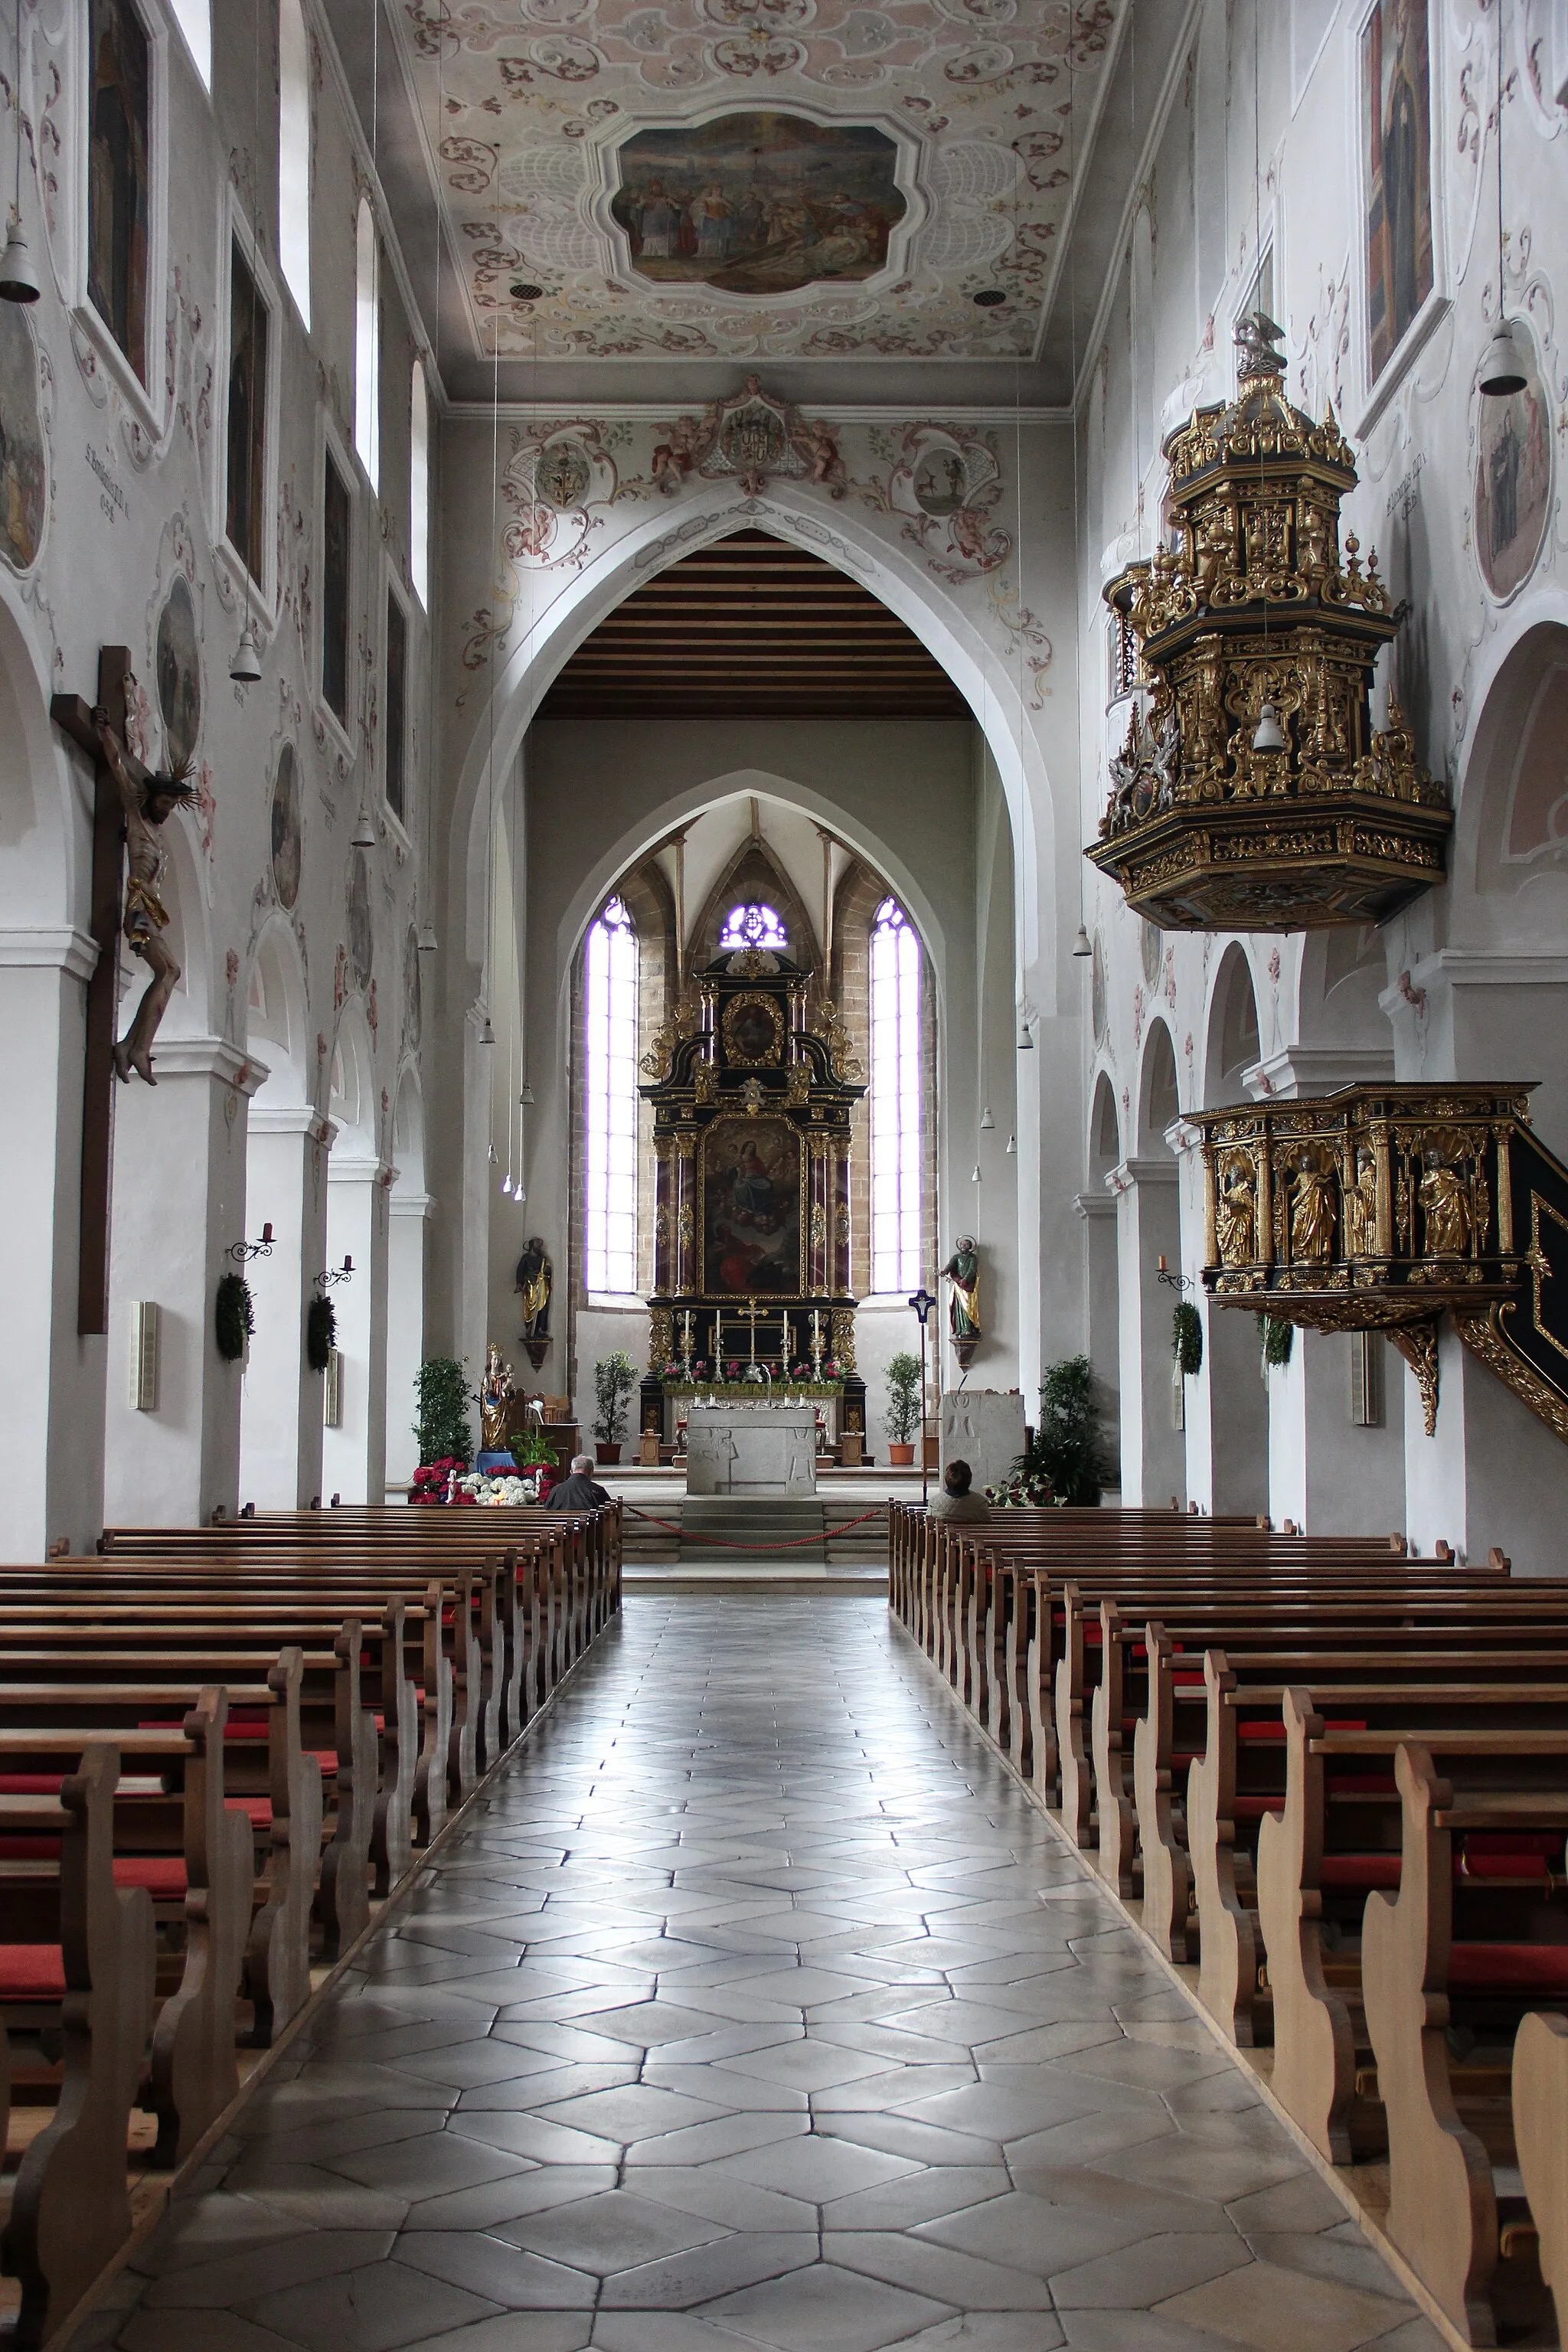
[[729, 179]]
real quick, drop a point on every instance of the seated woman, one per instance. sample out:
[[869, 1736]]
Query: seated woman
[[955, 1500]]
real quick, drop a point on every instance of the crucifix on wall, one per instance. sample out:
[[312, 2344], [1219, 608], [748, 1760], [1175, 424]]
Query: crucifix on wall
[[130, 804]]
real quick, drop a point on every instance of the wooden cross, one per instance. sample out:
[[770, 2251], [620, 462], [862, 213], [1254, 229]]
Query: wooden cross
[[752, 1312], [73, 716]]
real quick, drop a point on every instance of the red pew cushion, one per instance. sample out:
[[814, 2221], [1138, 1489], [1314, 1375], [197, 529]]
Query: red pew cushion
[[163, 1875], [32, 1972], [1529, 1969]]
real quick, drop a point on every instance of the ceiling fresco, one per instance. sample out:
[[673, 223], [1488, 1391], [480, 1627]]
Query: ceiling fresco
[[757, 178]]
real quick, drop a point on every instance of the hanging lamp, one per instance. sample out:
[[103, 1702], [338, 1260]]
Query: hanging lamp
[[426, 942], [1081, 945], [246, 667], [1505, 369], [364, 835], [18, 277]]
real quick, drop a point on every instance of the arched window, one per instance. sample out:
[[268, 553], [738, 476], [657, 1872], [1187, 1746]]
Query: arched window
[[294, 153], [752, 926], [895, 1100], [612, 1101], [367, 344], [419, 484]]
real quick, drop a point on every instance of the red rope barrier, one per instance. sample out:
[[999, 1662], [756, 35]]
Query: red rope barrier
[[728, 1543]]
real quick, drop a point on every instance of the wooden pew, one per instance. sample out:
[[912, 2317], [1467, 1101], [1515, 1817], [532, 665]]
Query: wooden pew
[[1472, 1936], [76, 1960]]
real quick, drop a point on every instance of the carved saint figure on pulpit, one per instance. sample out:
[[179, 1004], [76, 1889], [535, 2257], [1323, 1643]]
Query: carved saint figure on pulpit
[[1235, 1216], [1448, 1210], [962, 1271], [1314, 1212], [148, 806], [1360, 1209], [498, 1394]]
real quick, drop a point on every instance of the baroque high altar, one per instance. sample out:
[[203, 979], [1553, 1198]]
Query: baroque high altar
[[752, 1218]]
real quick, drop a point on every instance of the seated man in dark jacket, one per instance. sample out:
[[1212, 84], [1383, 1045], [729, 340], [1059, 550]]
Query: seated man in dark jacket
[[580, 1492]]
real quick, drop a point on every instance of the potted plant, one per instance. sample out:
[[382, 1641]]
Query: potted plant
[[901, 1414], [615, 1377], [443, 1430]]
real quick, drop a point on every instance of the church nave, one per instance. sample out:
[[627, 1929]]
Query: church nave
[[755, 2005]]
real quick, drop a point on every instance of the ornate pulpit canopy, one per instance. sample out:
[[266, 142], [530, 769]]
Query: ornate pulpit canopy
[[1251, 793]]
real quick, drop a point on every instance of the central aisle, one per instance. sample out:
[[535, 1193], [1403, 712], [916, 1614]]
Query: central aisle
[[756, 2006]]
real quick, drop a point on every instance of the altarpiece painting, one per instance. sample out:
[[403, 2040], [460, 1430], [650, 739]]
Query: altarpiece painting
[[751, 1208]]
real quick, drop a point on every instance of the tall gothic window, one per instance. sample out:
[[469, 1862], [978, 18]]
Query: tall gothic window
[[367, 344], [245, 517], [895, 1100], [294, 153], [612, 1101], [120, 174], [419, 483], [752, 926]]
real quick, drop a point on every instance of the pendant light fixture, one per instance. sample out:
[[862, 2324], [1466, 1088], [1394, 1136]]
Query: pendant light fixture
[[364, 835], [986, 1122], [1081, 946], [1268, 735], [1012, 1149], [1505, 369], [246, 667], [526, 1097], [427, 937], [487, 1037], [1025, 1042], [18, 277], [975, 1178]]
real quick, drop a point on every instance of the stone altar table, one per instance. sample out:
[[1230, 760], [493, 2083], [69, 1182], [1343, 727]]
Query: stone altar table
[[751, 1449]]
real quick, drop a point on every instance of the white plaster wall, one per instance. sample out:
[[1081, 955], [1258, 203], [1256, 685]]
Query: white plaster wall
[[135, 496]]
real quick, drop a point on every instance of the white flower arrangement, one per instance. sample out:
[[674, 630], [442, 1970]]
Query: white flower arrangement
[[499, 1492]]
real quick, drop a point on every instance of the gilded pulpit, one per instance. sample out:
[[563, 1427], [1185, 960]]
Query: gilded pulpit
[[751, 1206]]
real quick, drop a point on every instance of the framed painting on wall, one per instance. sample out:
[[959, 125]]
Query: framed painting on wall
[[1401, 291]]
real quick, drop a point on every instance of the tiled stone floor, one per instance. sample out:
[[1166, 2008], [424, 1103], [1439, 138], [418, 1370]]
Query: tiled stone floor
[[756, 2008]]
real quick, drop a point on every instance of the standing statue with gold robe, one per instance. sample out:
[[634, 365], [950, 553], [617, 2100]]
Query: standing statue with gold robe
[[535, 1280], [498, 1395], [962, 1271]]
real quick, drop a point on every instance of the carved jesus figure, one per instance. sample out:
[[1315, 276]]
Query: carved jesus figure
[[148, 806]]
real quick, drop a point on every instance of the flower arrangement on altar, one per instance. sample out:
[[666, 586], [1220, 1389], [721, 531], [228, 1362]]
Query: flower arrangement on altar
[[798, 1383]]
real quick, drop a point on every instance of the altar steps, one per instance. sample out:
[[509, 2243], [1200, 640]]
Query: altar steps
[[719, 1530]]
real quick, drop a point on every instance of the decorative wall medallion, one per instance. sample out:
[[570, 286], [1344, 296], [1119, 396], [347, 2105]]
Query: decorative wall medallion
[[23, 463], [758, 203], [286, 828], [179, 672], [940, 481], [1513, 483], [564, 473], [1150, 942], [361, 940]]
